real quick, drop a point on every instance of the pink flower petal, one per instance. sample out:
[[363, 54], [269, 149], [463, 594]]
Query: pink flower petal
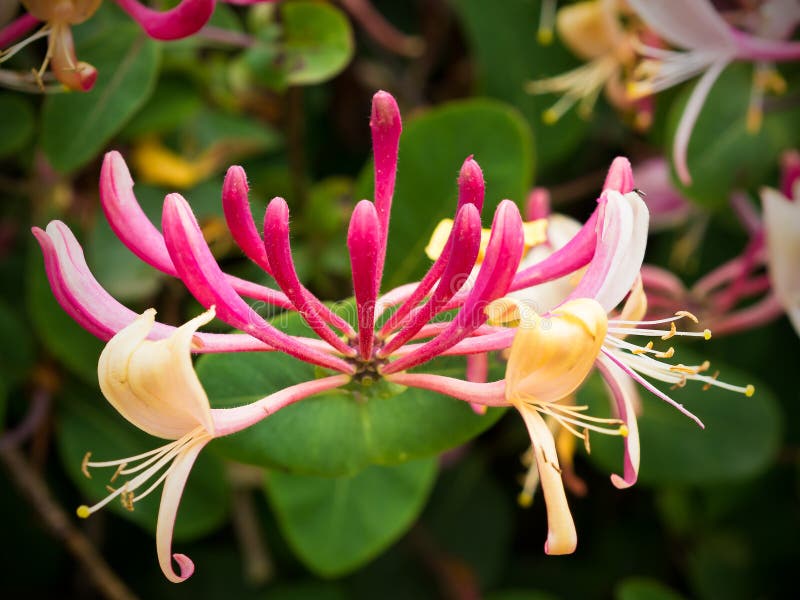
[[236, 206], [363, 242], [186, 19]]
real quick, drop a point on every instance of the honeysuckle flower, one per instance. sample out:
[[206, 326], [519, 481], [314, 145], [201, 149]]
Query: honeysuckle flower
[[185, 19], [592, 29], [552, 353], [153, 385], [711, 44]]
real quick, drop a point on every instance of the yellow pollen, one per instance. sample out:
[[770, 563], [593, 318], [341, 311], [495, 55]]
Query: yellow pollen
[[85, 465], [127, 500], [755, 117], [681, 368], [668, 354], [110, 489], [647, 347], [679, 384], [706, 334], [672, 331], [703, 367], [549, 117], [118, 471], [545, 37], [687, 314], [586, 443], [83, 511], [707, 386], [749, 390], [623, 430], [525, 500]]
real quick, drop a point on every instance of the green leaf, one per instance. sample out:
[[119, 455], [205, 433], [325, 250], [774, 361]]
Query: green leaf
[[237, 134], [87, 423], [15, 359], [318, 41], [75, 347], [521, 595], [644, 588], [740, 439], [722, 154], [338, 432], [16, 123], [77, 126], [337, 524], [507, 56], [432, 150], [174, 101]]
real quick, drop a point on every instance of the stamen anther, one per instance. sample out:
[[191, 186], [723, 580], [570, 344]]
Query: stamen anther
[[85, 465], [672, 331]]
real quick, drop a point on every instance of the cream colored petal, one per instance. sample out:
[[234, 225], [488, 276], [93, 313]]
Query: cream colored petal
[[153, 384], [561, 535], [168, 510], [552, 355], [588, 28], [782, 224]]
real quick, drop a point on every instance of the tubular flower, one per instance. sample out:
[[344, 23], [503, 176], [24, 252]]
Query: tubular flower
[[552, 353], [176, 408], [185, 19], [153, 385], [593, 31], [711, 44]]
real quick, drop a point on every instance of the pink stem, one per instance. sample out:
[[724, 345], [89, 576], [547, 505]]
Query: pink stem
[[134, 229], [656, 279], [486, 394], [752, 48], [726, 299], [16, 29], [380, 30], [766, 310], [478, 372], [471, 190], [497, 271], [725, 272], [746, 213], [204, 279], [233, 420], [279, 255], [363, 241]]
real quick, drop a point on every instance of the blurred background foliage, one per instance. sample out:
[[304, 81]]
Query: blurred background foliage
[[284, 90]]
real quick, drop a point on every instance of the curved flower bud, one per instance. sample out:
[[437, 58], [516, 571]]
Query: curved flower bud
[[182, 21]]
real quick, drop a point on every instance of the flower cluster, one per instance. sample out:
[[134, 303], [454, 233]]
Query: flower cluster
[[546, 292]]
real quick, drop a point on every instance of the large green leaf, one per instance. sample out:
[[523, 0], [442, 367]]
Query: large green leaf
[[77, 126], [507, 56], [16, 123], [75, 347], [16, 358], [335, 524], [723, 155], [338, 432], [644, 588], [87, 423], [432, 148], [318, 41], [740, 439]]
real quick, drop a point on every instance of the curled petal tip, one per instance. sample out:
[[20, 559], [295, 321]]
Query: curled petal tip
[[471, 186], [538, 204], [620, 176], [385, 111], [620, 483], [186, 567]]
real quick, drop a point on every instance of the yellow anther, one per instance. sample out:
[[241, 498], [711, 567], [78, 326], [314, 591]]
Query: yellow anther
[[704, 366], [749, 390], [587, 446], [679, 384], [544, 36], [110, 489], [85, 465], [126, 498], [648, 346], [623, 430], [549, 117], [706, 334], [118, 471], [672, 331], [707, 386], [755, 117], [686, 314], [681, 368], [525, 500], [668, 354], [83, 511]]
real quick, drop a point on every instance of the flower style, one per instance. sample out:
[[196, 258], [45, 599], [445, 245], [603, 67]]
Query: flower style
[[711, 44], [153, 385], [593, 31], [185, 19]]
